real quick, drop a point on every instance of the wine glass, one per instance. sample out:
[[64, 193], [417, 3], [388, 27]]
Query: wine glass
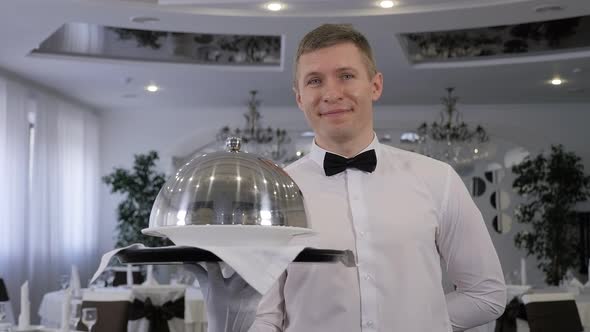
[[4, 327], [75, 313], [2, 311], [89, 317], [64, 281], [110, 276]]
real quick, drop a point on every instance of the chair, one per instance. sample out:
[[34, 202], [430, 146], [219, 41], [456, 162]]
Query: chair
[[552, 312], [5, 301], [112, 310], [121, 275], [164, 305]]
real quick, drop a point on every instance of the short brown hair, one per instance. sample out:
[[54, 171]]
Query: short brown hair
[[327, 35]]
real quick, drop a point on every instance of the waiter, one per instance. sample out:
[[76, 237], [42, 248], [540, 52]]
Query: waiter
[[400, 212]]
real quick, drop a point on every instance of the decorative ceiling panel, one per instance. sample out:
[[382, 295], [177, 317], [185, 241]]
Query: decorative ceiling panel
[[83, 39], [500, 41]]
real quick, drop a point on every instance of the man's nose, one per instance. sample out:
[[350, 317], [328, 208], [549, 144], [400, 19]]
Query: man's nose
[[333, 92]]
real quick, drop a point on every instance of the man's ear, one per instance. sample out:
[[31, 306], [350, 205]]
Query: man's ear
[[297, 97], [377, 86]]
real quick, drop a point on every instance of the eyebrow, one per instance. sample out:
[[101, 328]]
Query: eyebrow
[[313, 73], [341, 69], [338, 70]]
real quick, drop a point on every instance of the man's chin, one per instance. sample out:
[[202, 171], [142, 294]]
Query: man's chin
[[339, 135]]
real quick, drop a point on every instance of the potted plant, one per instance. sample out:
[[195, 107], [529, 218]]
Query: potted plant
[[551, 187], [140, 187]]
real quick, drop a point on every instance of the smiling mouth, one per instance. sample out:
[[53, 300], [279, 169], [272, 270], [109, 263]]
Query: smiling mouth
[[334, 112]]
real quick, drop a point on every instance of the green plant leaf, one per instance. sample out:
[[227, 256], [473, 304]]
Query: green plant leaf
[[140, 187], [552, 185]]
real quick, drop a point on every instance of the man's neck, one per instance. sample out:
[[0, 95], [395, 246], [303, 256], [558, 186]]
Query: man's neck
[[346, 148]]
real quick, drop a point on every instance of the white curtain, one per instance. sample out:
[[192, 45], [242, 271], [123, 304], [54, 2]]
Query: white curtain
[[14, 131], [52, 224]]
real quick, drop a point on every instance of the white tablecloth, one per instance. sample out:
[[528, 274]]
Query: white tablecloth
[[195, 313]]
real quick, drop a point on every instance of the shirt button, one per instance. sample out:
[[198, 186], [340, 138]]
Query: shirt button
[[369, 323], [362, 234], [368, 277]]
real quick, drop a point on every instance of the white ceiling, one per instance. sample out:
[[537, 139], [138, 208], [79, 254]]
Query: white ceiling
[[103, 84]]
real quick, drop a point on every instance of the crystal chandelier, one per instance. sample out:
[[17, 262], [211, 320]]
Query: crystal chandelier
[[268, 142], [450, 139]]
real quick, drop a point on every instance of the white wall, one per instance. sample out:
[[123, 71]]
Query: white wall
[[535, 127]]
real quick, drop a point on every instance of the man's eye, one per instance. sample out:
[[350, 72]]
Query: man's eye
[[347, 76], [313, 81]]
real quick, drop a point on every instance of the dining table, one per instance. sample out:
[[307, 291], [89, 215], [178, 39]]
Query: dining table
[[195, 317]]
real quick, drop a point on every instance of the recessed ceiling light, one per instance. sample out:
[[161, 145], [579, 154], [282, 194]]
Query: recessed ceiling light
[[556, 81], [386, 4], [152, 88], [548, 8], [144, 19], [274, 6]]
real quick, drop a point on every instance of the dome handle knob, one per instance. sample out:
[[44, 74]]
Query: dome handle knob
[[233, 144]]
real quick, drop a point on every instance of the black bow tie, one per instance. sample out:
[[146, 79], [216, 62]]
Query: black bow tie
[[334, 164]]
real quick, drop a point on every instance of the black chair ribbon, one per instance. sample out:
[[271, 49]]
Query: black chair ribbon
[[3, 293], [507, 322], [334, 164], [158, 316]]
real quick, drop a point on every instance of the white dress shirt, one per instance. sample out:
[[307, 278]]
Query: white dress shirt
[[400, 221]]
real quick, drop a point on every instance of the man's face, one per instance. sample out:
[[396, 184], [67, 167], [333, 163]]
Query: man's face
[[336, 93]]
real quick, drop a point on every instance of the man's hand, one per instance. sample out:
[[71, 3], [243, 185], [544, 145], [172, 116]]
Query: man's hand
[[231, 303]]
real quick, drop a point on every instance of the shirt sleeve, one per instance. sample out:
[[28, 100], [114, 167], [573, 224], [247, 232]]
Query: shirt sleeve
[[271, 309], [469, 258]]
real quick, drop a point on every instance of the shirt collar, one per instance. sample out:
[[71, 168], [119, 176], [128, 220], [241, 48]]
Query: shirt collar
[[317, 153]]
